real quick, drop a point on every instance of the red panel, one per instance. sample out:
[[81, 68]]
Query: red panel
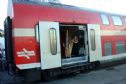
[[28, 15], [112, 39], [27, 43]]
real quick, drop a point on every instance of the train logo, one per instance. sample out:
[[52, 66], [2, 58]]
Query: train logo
[[25, 53]]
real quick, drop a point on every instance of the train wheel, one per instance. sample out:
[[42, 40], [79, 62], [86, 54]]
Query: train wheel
[[48, 75], [11, 69], [94, 65], [32, 75]]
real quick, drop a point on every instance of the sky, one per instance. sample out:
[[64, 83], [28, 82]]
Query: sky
[[3, 12], [111, 6]]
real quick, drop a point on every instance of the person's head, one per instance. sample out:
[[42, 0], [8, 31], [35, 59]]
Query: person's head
[[75, 39]]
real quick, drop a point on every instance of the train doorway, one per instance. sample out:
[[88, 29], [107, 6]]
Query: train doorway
[[73, 40]]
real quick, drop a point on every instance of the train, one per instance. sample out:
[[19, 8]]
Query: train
[[44, 39]]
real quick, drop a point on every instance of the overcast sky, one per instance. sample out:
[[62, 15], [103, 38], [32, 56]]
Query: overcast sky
[[3, 11], [112, 6]]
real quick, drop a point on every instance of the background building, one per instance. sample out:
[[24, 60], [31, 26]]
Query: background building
[[1, 33]]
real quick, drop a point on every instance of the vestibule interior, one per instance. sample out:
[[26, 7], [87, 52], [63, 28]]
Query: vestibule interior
[[72, 40]]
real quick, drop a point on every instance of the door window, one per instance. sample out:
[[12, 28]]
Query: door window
[[92, 38], [53, 41]]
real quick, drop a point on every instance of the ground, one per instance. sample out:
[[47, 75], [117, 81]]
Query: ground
[[111, 75]]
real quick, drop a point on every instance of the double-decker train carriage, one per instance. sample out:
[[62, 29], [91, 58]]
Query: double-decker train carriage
[[46, 39]]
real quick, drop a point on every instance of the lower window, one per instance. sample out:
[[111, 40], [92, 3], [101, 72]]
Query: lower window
[[120, 47], [107, 49]]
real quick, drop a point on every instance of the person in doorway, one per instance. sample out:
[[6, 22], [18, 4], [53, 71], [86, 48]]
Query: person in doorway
[[70, 42], [75, 49]]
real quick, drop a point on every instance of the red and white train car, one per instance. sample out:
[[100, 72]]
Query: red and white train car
[[51, 38]]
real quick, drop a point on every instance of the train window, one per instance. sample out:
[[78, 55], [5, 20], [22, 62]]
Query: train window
[[92, 38], [117, 20], [120, 47], [53, 41], [107, 49], [105, 19]]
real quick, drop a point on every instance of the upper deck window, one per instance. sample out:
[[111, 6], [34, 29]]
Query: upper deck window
[[117, 20], [105, 19]]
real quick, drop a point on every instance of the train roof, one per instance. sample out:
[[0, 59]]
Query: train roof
[[59, 5], [30, 12]]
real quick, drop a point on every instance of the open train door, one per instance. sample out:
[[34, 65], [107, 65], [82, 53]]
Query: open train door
[[49, 44], [94, 39]]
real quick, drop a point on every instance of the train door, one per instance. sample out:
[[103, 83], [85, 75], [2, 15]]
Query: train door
[[48, 36], [94, 40]]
